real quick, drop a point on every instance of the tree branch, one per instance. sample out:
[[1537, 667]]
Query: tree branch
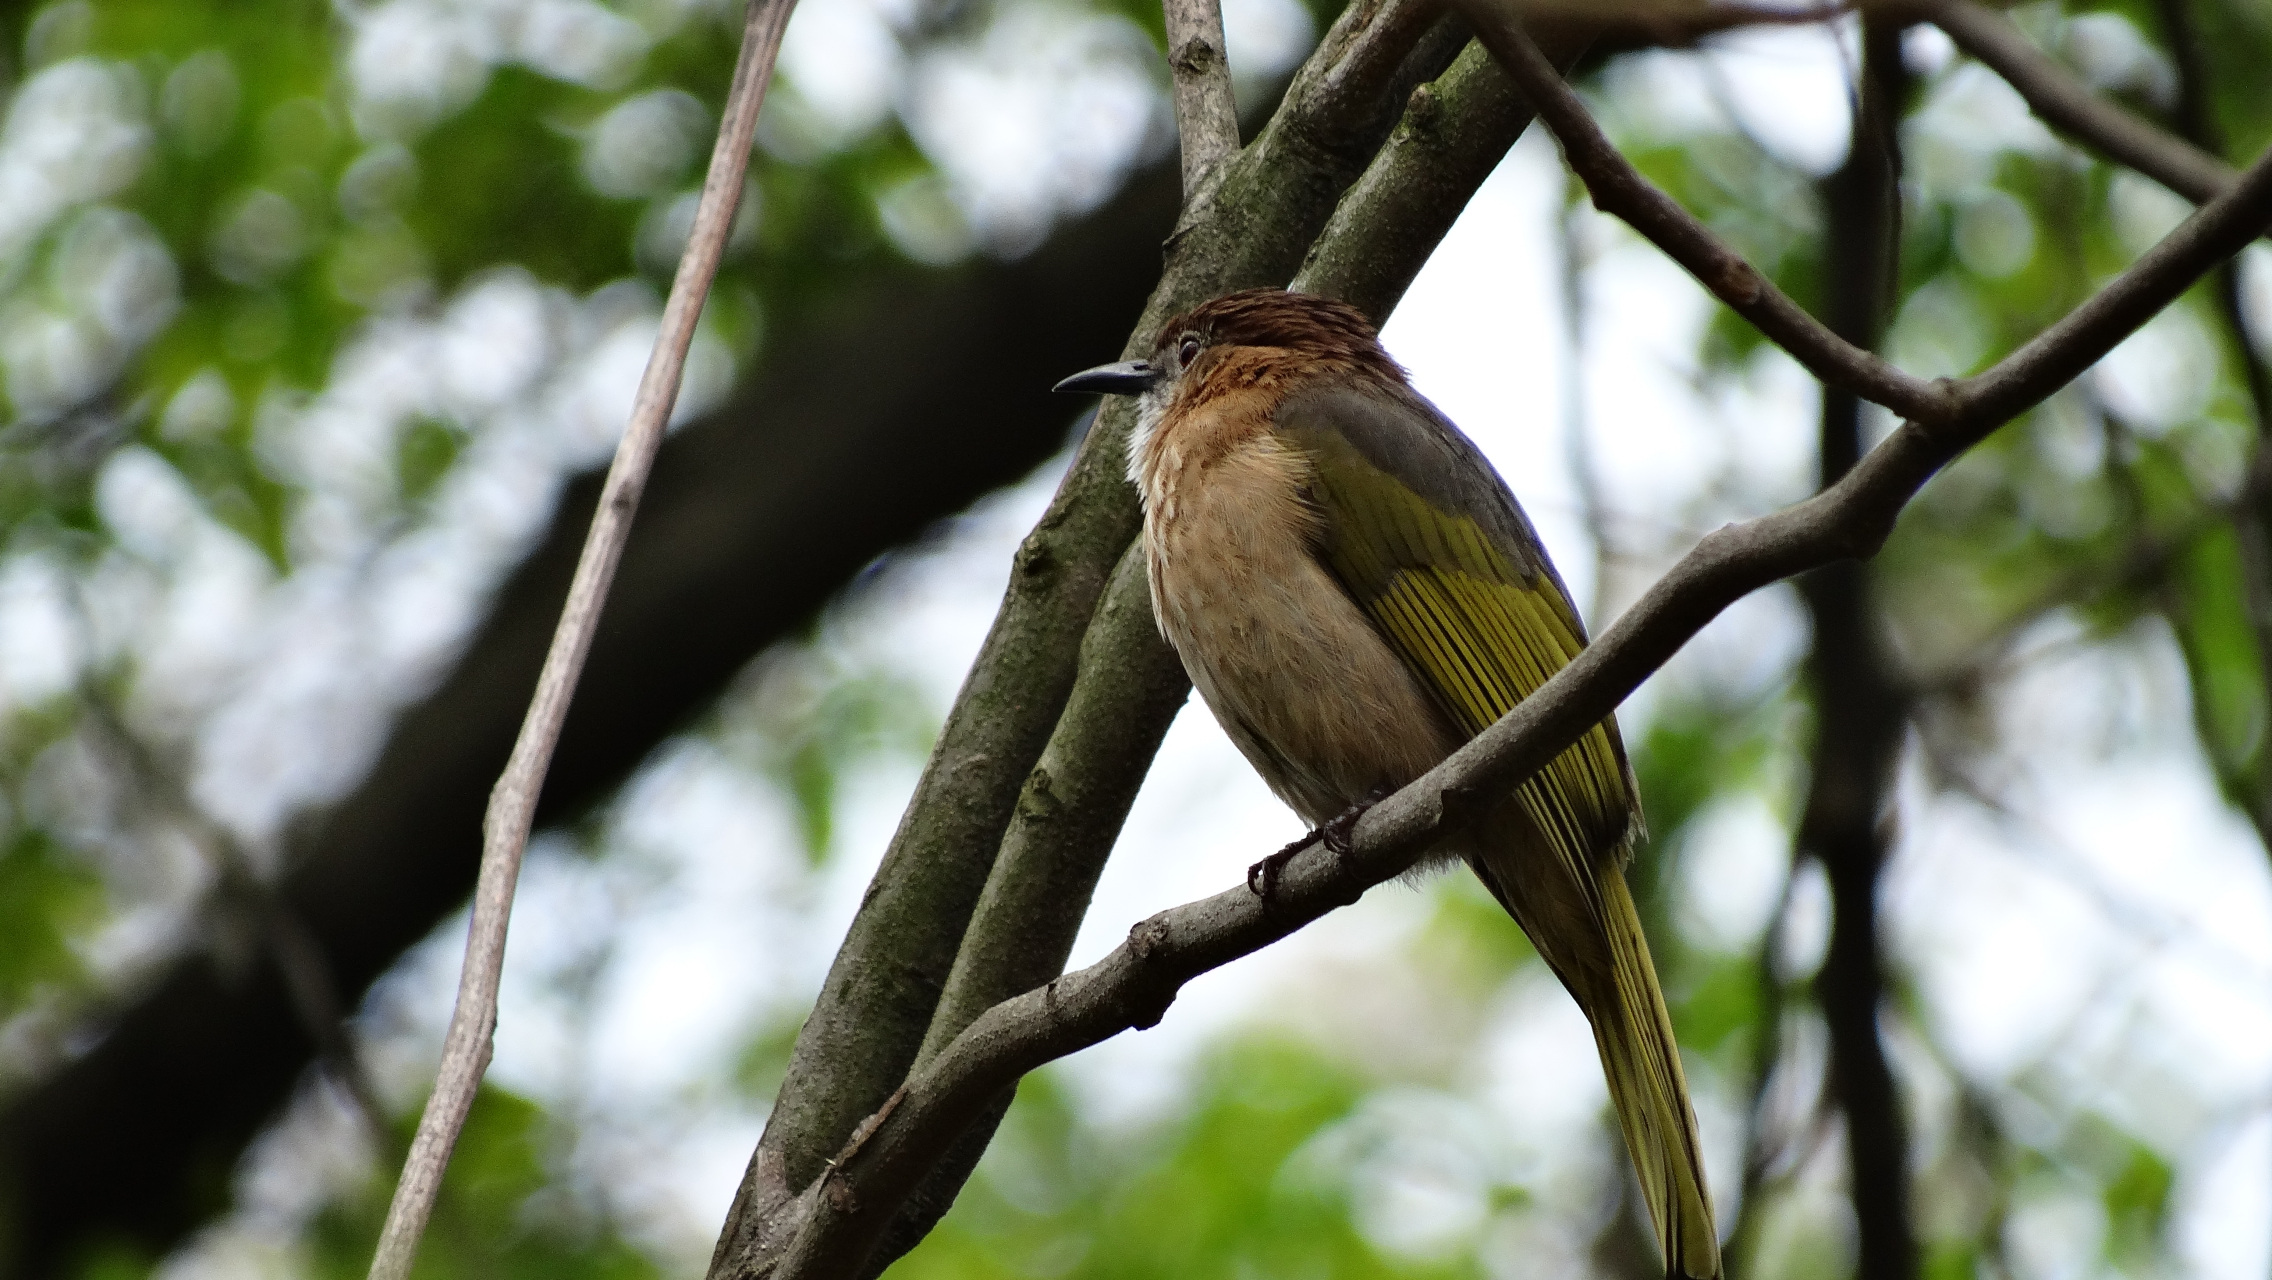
[[878, 1000], [1070, 812], [841, 1212], [1100, 748], [1618, 188], [1068, 817], [1454, 133], [2069, 105], [512, 809], [1206, 117], [1860, 708]]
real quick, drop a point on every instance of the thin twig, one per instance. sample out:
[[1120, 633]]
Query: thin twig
[[1206, 118], [1134, 985], [2068, 105], [512, 806], [1618, 188]]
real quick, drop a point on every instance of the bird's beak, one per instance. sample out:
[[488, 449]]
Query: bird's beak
[[1128, 378]]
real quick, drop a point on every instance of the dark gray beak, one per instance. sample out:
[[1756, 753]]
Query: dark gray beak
[[1128, 378]]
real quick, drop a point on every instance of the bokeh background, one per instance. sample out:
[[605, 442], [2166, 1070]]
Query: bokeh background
[[314, 320]]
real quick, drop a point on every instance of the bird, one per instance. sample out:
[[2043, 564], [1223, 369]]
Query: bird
[[1355, 593]]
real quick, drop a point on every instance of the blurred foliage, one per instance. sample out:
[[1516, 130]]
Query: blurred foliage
[[818, 717], [494, 1217], [1239, 1183]]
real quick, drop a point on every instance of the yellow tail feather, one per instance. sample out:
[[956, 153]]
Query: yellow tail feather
[[1633, 1030]]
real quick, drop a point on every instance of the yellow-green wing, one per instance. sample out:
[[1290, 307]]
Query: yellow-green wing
[[1427, 540]]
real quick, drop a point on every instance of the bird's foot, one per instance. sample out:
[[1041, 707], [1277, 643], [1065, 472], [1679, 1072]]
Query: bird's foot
[[1336, 833], [1262, 877]]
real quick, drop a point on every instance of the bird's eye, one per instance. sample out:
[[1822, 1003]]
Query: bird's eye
[[1189, 351]]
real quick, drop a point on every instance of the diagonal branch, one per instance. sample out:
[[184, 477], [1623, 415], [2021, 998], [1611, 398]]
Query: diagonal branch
[[2069, 105], [1206, 118], [512, 806], [1133, 986], [1618, 188]]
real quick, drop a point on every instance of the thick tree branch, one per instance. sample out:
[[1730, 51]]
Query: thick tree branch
[[1074, 803], [879, 997], [1453, 134], [1618, 188], [2068, 105], [1206, 117], [842, 1212], [1103, 743], [1070, 812]]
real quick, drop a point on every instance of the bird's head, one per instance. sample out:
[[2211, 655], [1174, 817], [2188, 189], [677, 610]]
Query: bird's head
[[1240, 339]]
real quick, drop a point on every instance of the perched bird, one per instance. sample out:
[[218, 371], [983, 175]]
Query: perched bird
[[1355, 594]]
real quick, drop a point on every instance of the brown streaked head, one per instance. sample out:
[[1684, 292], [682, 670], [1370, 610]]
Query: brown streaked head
[[1332, 335], [1300, 323]]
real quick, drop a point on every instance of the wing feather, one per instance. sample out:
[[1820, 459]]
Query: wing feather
[[1436, 552], [1427, 541]]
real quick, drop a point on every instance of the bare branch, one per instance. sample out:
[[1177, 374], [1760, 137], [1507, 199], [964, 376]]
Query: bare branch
[[512, 806], [1074, 803], [1133, 986], [1618, 188], [1206, 118], [2069, 105]]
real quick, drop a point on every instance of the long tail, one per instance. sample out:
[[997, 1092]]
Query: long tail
[[1634, 1032]]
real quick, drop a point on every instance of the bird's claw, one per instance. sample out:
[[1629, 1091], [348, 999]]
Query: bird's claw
[[1262, 877]]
